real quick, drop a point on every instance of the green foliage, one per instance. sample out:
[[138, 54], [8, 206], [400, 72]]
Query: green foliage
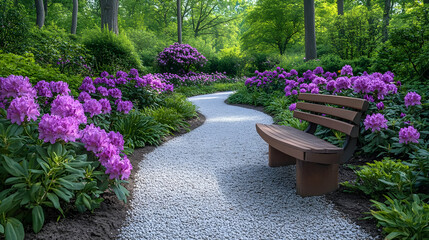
[[403, 219], [251, 97], [355, 33], [407, 49], [139, 130], [111, 52], [190, 91], [14, 27], [38, 176], [25, 66], [52, 46], [181, 105], [386, 176], [169, 117], [273, 24]]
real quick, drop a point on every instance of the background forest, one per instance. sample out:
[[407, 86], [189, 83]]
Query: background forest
[[236, 36]]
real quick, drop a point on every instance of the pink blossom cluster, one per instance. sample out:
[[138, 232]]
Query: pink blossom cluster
[[107, 146], [23, 109], [412, 98], [194, 78], [409, 135], [16, 86], [375, 122]]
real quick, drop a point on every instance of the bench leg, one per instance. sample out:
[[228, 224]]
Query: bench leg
[[277, 158], [313, 179]]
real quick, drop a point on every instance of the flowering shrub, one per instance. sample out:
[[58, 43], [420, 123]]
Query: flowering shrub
[[388, 116], [180, 58], [39, 164], [194, 79]]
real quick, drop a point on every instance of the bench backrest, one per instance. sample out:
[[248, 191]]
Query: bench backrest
[[317, 110], [338, 118]]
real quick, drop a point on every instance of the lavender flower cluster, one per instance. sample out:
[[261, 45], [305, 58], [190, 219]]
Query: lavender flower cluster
[[372, 87], [194, 79], [180, 58], [19, 98]]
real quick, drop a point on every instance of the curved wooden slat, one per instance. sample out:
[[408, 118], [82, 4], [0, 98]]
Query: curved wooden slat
[[343, 127], [336, 112], [356, 103]]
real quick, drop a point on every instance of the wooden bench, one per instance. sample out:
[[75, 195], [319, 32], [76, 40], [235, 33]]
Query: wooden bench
[[316, 160]]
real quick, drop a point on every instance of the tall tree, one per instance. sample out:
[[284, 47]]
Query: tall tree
[[74, 16], [109, 14], [340, 7], [40, 13], [272, 23], [386, 19], [45, 7], [310, 30], [179, 22]]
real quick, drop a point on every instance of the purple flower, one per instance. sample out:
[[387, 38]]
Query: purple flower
[[347, 70], [342, 83], [330, 86], [94, 138], [93, 107], [375, 122], [66, 106], [117, 139], [403, 115], [315, 91], [117, 167], [22, 109], [318, 70], [43, 89], [60, 87], [412, 98], [53, 127], [105, 106], [134, 72], [121, 74], [319, 80], [293, 72], [103, 91], [84, 96], [380, 105], [87, 85], [16, 86], [124, 106], [115, 93], [369, 98], [292, 107], [104, 74], [294, 92], [408, 135]]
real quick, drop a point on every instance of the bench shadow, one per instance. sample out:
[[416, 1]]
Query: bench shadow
[[257, 187]]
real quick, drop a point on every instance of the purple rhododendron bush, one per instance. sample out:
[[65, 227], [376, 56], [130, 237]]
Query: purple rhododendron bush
[[179, 64], [59, 151]]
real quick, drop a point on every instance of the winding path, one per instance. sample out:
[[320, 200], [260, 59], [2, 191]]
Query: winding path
[[214, 183]]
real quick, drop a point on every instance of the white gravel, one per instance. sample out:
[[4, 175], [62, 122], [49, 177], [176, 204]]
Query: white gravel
[[214, 183]]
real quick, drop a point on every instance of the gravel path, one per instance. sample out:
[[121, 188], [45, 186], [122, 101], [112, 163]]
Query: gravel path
[[214, 183]]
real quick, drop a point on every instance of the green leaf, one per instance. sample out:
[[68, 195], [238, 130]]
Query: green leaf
[[1, 229], [13, 167], [8, 203], [55, 200], [14, 229], [71, 185], [13, 180], [393, 235], [86, 202], [42, 153], [38, 218], [63, 193]]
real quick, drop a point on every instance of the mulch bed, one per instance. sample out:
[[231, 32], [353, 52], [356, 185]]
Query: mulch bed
[[105, 222]]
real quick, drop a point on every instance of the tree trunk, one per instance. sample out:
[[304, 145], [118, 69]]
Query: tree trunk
[[74, 16], [45, 7], [40, 20], [386, 19], [179, 21], [340, 7], [109, 14], [310, 30]]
